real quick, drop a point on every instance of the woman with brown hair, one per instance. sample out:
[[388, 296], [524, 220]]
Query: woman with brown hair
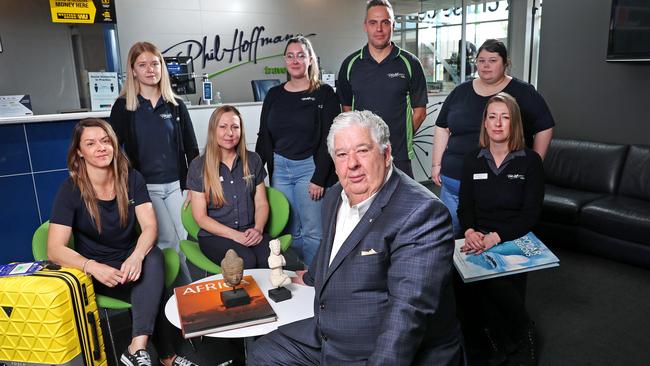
[[101, 204], [459, 123], [155, 129], [228, 194], [501, 195], [296, 117]]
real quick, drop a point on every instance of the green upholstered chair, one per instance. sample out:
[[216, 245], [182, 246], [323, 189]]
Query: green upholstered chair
[[172, 266], [278, 219]]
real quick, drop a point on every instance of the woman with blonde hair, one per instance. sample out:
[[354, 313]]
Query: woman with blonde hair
[[102, 203], [296, 118], [156, 131], [228, 194]]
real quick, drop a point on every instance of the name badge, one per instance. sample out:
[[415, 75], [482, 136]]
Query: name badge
[[480, 176]]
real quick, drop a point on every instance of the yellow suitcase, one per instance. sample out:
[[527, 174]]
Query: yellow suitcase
[[50, 317]]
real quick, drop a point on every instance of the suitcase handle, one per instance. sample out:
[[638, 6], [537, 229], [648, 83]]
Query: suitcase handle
[[94, 325]]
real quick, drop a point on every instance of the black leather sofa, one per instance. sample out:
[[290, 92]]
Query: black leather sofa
[[598, 199]]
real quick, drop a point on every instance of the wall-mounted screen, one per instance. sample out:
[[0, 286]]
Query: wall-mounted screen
[[629, 31], [181, 74]]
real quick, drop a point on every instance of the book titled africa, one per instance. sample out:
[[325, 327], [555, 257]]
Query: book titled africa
[[524, 254], [201, 310]]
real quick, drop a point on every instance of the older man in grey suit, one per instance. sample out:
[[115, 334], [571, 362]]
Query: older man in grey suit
[[382, 274]]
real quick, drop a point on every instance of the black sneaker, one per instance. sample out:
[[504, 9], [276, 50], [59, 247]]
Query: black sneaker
[[140, 358], [182, 361]]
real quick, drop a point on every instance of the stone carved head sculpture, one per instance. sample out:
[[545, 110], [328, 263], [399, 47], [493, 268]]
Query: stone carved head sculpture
[[232, 268]]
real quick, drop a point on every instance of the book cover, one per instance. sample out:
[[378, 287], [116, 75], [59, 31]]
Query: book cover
[[524, 254], [201, 310]]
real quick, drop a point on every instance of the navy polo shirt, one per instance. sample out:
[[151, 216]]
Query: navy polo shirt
[[157, 144], [239, 211], [389, 89]]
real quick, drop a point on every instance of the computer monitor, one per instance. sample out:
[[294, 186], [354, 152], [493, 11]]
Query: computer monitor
[[181, 74]]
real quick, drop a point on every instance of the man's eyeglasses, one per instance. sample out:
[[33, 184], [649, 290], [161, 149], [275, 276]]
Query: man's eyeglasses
[[299, 56]]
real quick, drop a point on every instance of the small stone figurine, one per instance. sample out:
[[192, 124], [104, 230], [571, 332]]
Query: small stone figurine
[[278, 278], [232, 269]]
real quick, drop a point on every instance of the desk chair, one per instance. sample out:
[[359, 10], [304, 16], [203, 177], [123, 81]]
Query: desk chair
[[278, 219], [261, 87], [172, 266]]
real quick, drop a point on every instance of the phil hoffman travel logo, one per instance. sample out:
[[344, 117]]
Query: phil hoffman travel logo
[[241, 47]]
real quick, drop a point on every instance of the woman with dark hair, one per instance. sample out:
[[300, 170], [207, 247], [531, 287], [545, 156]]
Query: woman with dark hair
[[101, 204], [296, 117], [228, 194], [155, 129], [501, 195], [459, 122]]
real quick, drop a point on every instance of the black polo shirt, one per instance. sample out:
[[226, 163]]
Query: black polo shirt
[[239, 211], [157, 144], [389, 89], [293, 123], [115, 242]]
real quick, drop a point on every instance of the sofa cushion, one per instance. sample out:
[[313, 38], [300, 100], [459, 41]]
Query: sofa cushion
[[635, 181], [583, 165], [620, 217], [562, 205]]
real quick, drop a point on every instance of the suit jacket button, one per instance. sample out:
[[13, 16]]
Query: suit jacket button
[[322, 306], [323, 337]]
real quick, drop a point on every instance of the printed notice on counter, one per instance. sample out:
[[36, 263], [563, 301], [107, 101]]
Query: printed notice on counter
[[15, 105], [103, 90]]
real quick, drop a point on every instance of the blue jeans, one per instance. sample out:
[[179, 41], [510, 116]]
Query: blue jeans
[[167, 200], [449, 196], [292, 177]]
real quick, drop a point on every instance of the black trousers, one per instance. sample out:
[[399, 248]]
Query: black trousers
[[147, 297], [498, 304], [215, 248]]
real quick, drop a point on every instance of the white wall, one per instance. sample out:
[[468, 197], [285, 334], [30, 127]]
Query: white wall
[[338, 25]]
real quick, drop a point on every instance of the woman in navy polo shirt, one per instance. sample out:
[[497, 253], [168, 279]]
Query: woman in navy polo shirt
[[501, 195], [155, 129], [101, 203], [296, 118], [228, 195]]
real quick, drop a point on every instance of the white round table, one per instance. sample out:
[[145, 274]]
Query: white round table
[[299, 306]]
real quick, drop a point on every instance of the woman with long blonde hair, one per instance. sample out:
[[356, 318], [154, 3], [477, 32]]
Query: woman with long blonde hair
[[102, 203], [228, 195], [155, 129]]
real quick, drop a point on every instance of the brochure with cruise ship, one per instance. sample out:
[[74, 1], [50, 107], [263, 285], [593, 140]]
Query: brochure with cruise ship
[[524, 254]]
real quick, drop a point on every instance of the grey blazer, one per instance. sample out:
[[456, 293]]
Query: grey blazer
[[393, 307]]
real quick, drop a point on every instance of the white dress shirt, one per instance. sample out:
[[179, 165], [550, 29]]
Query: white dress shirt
[[348, 216]]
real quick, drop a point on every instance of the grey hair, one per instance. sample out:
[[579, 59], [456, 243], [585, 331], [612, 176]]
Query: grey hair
[[366, 119]]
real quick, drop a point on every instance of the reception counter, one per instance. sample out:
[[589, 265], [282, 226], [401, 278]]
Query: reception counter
[[33, 153]]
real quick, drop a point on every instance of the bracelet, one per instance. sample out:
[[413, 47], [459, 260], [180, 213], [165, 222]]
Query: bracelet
[[83, 268]]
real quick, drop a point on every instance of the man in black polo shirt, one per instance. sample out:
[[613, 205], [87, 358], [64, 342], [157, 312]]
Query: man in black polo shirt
[[386, 80]]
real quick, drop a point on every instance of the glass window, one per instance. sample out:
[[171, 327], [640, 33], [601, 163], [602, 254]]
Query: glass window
[[438, 36]]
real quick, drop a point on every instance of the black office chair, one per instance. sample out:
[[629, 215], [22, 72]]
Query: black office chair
[[261, 87]]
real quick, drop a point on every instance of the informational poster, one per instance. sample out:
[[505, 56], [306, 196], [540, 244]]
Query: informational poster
[[15, 105], [82, 11], [103, 90]]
